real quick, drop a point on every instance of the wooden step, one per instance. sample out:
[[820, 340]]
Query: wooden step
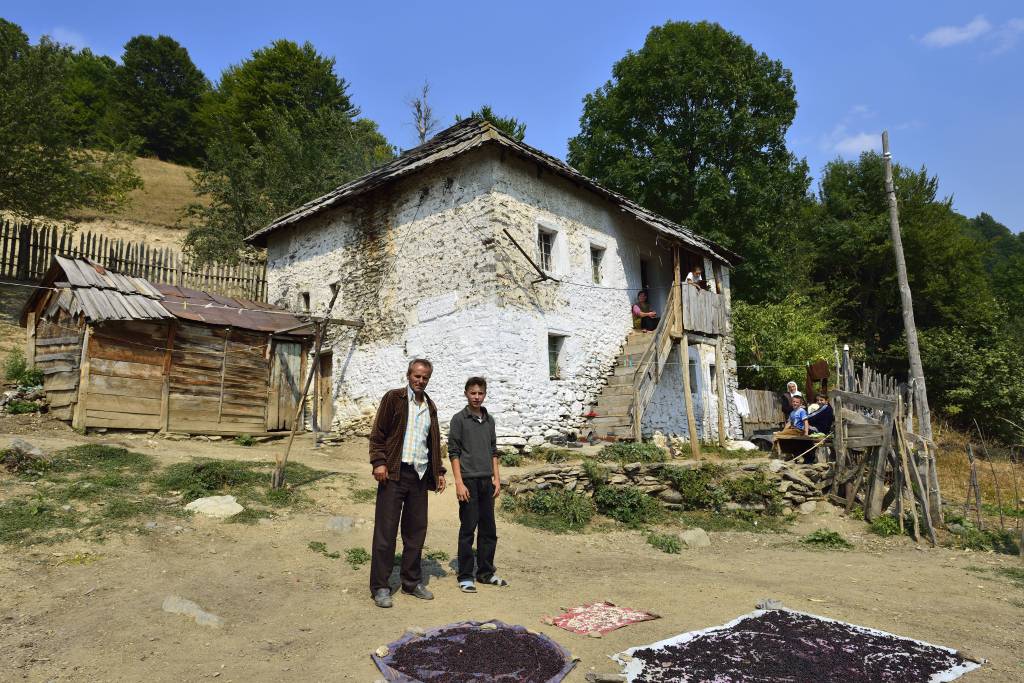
[[623, 389], [609, 405], [609, 421]]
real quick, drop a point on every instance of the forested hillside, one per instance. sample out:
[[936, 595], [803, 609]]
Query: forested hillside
[[693, 125]]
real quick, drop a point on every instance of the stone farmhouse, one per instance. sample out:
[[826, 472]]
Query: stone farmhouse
[[492, 258]]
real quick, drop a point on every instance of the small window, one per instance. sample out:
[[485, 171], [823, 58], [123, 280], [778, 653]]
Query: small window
[[545, 249], [714, 382], [304, 301], [596, 259], [555, 342]]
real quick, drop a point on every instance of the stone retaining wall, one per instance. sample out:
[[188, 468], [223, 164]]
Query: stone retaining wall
[[797, 483]]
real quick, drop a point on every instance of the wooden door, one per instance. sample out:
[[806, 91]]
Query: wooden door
[[325, 391], [285, 385]]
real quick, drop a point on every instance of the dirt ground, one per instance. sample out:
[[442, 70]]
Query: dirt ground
[[295, 615]]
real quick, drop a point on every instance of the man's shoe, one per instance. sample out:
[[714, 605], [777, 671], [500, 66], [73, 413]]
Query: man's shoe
[[419, 592], [382, 597]]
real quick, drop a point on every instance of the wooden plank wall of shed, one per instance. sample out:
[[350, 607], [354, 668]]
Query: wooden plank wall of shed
[[125, 375], [58, 351], [218, 381]]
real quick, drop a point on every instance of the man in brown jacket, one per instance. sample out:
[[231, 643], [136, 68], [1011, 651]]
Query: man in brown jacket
[[405, 453]]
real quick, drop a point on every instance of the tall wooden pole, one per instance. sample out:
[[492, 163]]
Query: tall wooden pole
[[916, 368], [684, 359]]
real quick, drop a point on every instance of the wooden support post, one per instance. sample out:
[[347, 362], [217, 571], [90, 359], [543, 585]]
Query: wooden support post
[[839, 443], [165, 392], [916, 368], [78, 418], [277, 479], [876, 482], [722, 398], [30, 339], [223, 373], [684, 360]]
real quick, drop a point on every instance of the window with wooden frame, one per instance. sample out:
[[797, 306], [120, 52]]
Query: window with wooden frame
[[304, 302], [555, 343], [546, 249], [596, 262]]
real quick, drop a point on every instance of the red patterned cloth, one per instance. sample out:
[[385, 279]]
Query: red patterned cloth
[[598, 617]]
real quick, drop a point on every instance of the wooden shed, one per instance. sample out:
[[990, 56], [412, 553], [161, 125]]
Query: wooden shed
[[125, 353]]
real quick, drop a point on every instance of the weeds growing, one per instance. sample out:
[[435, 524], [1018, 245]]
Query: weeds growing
[[666, 543], [631, 506], [366, 495], [357, 557], [631, 451], [552, 509], [885, 525], [826, 540], [320, 547]]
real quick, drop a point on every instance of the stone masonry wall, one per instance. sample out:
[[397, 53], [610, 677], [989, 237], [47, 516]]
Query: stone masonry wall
[[797, 483], [427, 267]]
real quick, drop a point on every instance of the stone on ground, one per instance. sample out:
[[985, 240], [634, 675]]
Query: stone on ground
[[175, 604], [694, 538], [807, 507], [340, 523], [220, 507], [740, 445]]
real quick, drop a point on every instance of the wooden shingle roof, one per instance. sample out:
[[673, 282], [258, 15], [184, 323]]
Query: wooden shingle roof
[[469, 134], [101, 295]]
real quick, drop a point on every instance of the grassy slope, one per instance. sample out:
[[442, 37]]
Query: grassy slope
[[152, 213]]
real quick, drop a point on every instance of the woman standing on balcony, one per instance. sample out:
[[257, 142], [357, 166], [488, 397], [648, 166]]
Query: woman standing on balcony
[[644, 318]]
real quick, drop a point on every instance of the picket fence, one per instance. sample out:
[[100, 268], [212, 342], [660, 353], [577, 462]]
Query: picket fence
[[27, 250]]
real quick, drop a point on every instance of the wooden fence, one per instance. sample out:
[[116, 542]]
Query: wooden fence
[[765, 411], [26, 251]]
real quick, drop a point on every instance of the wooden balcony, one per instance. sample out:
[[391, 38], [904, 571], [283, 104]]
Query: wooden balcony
[[703, 311]]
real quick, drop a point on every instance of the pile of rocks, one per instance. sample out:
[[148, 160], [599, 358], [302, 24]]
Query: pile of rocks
[[797, 483], [34, 395]]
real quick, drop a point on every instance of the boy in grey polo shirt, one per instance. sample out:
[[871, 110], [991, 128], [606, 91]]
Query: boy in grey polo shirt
[[473, 450]]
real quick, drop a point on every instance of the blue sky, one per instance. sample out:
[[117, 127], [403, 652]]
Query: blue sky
[[943, 77]]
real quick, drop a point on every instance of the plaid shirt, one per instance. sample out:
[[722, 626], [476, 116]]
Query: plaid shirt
[[417, 429]]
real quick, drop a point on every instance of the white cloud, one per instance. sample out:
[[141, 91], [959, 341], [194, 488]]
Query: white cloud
[[67, 36], [1007, 36], [853, 145], [947, 36]]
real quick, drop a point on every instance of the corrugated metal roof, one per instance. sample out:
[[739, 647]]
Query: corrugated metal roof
[[469, 134], [104, 295]]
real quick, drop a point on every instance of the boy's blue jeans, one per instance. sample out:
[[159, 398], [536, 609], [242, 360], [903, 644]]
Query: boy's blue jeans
[[477, 518]]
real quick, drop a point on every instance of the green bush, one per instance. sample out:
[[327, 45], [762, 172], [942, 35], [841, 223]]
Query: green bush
[[631, 506], [969, 537], [631, 451], [885, 525], [827, 540], [245, 440], [16, 370], [19, 407], [666, 543], [511, 459], [596, 473], [699, 487], [552, 509], [753, 489]]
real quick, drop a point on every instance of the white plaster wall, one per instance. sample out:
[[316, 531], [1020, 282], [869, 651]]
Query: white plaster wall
[[432, 247]]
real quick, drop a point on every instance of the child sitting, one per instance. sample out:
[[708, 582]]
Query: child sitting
[[797, 424]]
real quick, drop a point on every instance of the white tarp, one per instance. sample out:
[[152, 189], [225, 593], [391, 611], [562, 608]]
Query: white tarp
[[633, 667]]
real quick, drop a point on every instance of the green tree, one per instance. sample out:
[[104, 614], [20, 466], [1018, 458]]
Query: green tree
[[854, 259], [158, 92], [46, 169], [693, 126], [508, 124], [300, 156], [1003, 257], [284, 76], [88, 91], [780, 338]]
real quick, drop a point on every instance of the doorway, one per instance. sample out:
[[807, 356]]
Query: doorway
[[285, 376], [325, 391]]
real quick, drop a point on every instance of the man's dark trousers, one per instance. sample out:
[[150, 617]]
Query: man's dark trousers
[[405, 500], [477, 515]]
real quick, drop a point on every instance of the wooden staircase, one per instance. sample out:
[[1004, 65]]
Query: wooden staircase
[[614, 403], [630, 388]]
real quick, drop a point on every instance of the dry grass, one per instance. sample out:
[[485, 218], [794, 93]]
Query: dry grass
[[955, 474], [166, 192]]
